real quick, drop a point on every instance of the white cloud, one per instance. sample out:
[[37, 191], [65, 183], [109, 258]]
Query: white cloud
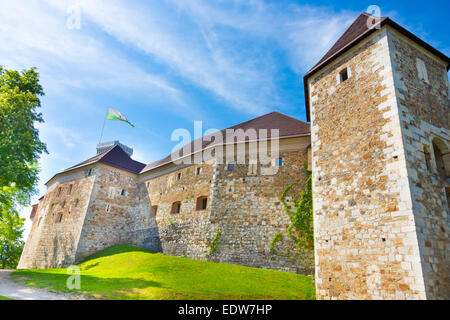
[[36, 35]]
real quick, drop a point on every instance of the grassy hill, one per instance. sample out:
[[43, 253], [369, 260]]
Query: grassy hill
[[127, 272]]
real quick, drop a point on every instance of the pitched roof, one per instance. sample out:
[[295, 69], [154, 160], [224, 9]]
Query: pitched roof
[[359, 30], [288, 126], [114, 157]]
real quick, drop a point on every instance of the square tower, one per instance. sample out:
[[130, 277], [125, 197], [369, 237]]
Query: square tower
[[378, 103]]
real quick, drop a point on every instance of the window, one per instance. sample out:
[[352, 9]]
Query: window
[[343, 75], [198, 171], [76, 202], [176, 207], [230, 167], [280, 162], [422, 73], [202, 203], [70, 189], [123, 193], [108, 207], [178, 176], [438, 147], [153, 211], [89, 173], [58, 218], [63, 204], [59, 191]]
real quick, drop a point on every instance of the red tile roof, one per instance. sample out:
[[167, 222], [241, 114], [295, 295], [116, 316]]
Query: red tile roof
[[288, 126], [358, 31]]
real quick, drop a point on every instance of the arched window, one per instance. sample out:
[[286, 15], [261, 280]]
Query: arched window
[[202, 203], [441, 157], [176, 207]]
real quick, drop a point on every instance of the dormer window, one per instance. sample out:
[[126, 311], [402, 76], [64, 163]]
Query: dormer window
[[343, 75]]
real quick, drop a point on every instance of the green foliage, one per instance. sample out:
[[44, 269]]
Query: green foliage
[[215, 243], [20, 146], [300, 229], [127, 272], [11, 229], [20, 149]]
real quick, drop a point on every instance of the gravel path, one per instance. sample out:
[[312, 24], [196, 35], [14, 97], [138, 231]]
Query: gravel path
[[10, 289]]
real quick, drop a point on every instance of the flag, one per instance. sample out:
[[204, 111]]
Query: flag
[[116, 115]]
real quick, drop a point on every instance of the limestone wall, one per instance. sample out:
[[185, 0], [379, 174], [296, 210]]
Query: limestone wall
[[50, 243], [425, 117], [109, 218], [365, 239]]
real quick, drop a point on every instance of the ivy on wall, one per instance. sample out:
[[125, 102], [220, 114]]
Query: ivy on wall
[[215, 243], [300, 229]]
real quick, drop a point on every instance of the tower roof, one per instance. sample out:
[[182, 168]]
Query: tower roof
[[115, 157], [358, 31], [289, 127]]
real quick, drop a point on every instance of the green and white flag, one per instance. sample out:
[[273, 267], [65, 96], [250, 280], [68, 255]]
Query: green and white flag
[[116, 115]]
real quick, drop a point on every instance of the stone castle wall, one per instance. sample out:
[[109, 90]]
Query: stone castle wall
[[115, 207], [52, 244], [424, 117], [365, 239]]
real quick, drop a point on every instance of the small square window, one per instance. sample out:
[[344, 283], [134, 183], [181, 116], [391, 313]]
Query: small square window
[[176, 207], [123, 193], [280, 162], [343, 75], [202, 203]]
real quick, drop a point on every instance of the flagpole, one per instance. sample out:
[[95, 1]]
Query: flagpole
[[103, 128]]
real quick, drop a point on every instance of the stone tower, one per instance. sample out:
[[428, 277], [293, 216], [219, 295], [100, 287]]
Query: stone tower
[[378, 103]]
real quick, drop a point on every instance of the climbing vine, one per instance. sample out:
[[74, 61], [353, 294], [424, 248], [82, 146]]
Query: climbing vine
[[215, 243], [300, 229]]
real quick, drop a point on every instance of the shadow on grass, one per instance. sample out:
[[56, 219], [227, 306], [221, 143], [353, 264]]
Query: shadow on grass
[[115, 288]]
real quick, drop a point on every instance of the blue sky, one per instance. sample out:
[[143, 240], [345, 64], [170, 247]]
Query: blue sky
[[166, 63]]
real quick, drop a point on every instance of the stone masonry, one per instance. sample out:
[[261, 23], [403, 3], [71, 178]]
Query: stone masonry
[[381, 226]]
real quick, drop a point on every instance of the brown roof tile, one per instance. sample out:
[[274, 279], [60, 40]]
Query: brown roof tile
[[114, 157], [288, 126], [358, 31]]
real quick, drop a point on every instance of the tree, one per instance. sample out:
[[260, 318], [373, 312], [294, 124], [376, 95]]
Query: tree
[[11, 230], [20, 148], [301, 228]]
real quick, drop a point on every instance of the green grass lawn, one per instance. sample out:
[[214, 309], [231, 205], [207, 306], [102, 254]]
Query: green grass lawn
[[127, 272], [4, 298]]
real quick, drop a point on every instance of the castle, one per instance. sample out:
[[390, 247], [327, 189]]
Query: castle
[[378, 146]]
